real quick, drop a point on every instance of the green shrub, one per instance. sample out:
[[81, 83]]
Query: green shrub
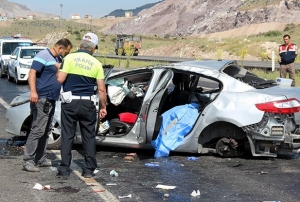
[[273, 33], [76, 32]]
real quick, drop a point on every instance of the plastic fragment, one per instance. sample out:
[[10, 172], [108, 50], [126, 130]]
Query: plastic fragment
[[195, 193], [151, 164], [113, 173], [111, 184], [95, 191], [192, 158], [128, 196], [38, 186], [166, 195], [160, 186]]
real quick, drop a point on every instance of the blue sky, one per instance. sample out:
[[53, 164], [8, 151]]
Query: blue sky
[[96, 8]]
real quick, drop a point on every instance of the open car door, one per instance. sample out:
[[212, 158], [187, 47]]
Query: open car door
[[151, 109], [107, 69]]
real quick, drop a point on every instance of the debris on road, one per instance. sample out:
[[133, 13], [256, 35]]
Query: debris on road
[[128, 196], [128, 158], [111, 184], [166, 195], [131, 154], [237, 165], [263, 172], [38, 186], [160, 186], [113, 173], [195, 193], [95, 191], [152, 164], [192, 158]]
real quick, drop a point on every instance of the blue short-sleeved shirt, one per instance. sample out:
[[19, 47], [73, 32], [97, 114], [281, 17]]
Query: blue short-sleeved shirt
[[47, 85]]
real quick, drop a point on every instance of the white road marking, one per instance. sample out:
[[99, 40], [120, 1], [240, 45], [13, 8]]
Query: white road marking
[[4, 103], [95, 186]]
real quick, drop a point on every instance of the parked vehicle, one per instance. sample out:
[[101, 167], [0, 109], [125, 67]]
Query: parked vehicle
[[128, 44], [238, 112], [7, 46], [20, 62]]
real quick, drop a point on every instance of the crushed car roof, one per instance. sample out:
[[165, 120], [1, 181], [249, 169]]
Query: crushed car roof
[[207, 64]]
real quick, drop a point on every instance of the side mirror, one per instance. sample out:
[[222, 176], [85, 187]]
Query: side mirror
[[13, 57]]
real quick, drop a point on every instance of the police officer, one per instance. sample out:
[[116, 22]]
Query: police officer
[[288, 53], [79, 73]]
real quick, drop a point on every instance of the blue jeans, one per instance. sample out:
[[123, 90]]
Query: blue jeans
[[42, 114]]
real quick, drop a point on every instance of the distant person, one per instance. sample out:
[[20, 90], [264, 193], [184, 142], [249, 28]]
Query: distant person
[[288, 53], [44, 92], [79, 73]]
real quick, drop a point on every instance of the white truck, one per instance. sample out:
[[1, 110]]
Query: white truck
[[7, 46]]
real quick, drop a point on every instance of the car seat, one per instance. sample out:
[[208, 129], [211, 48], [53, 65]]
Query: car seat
[[119, 128], [181, 94]]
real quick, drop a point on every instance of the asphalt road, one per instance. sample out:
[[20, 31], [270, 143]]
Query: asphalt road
[[217, 179]]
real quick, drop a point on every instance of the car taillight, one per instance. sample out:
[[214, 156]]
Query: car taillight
[[288, 106]]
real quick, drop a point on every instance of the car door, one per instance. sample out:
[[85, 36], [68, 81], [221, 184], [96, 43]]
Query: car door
[[149, 113], [13, 59], [107, 69]]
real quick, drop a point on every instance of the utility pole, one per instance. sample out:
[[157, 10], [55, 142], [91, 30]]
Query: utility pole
[[91, 19], [61, 15]]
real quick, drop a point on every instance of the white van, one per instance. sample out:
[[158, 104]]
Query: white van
[[7, 46]]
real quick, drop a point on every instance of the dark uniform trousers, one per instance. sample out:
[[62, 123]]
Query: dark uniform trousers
[[83, 112]]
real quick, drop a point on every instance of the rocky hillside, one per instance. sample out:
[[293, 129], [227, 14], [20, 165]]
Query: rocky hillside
[[18, 10], [121, 12], [195, 17]]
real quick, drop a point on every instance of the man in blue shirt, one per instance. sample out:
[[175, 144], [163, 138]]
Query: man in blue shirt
[[44, 92]]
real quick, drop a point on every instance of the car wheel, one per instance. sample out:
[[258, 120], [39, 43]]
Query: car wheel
[[227, 147], [54, 139], [9, 77], [17, 81]]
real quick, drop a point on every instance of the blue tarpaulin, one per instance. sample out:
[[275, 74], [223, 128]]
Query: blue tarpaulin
[[177, 122]]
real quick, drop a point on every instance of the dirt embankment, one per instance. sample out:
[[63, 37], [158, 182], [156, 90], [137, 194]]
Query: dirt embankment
[[181, 49]]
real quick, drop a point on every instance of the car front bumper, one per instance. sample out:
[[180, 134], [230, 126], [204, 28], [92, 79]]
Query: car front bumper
[[23, 74], [15, 118]]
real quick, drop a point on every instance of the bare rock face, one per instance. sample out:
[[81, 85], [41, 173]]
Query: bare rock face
[[13, 10], [194, 17]]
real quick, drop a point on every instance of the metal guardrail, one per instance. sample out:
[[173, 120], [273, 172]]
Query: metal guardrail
[[246, 64]]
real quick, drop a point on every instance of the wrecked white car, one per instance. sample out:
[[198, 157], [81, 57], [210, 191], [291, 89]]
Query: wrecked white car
[[238, 111]]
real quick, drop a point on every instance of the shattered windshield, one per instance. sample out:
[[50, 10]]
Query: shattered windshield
[[240, 73]]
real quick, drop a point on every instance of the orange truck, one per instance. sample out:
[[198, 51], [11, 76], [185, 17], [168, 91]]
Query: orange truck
[[128, 44]]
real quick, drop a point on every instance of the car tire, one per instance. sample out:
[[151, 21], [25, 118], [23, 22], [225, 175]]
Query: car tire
[[17, 81], [54, 140]]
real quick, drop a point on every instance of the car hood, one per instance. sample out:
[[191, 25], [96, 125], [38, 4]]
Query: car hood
[[20, 99], [25, 61]]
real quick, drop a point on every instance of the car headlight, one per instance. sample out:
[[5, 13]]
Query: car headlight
[[20, 99], [24, 66]]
